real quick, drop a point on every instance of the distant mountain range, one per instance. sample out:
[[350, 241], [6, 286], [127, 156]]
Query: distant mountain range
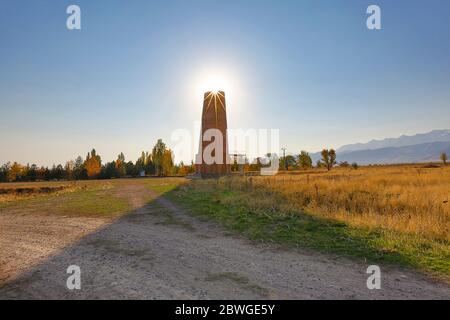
[[424, 147], [433, 136]]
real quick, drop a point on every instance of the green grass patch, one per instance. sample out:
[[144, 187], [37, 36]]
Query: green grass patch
[[95, 201], [92, 203]]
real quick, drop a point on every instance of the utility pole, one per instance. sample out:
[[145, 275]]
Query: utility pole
[[240, 160], [284, 158]]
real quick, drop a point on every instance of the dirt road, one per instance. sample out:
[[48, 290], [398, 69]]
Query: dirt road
[[160, 252]]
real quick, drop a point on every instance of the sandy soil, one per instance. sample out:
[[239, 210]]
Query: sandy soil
[[159, 252]]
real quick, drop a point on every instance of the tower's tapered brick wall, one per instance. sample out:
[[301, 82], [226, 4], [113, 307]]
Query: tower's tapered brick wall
[[214, 116]]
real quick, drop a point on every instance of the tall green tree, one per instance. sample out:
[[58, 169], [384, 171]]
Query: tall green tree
[[141, 162], [79, 172], [304, 160], [68, 169], [158, 157], [287, 162], [168, 165], [328, 158], [4, 169], [121, 170], [109, 170], [149, 165], [444, 158]]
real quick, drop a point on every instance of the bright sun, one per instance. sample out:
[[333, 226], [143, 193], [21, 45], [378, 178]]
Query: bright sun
[[215, 81]]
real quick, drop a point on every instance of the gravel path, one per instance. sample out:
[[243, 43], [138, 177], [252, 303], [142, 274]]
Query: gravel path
[[160, 252]]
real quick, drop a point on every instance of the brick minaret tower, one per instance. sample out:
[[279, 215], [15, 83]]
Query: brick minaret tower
[[214, 116]]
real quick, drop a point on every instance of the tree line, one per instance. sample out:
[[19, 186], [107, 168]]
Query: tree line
[[328, 161], [159, 162], [304, 161]]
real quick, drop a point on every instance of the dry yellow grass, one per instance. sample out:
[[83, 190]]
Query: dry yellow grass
[[410, 199], [395, 214]]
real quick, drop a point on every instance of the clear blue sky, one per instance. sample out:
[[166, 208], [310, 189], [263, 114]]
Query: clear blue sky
[[310, 68]]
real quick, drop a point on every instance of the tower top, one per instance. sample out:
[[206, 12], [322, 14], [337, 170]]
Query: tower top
[[214, 92]]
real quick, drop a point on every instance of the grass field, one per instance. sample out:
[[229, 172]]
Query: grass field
[[394, 214]]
